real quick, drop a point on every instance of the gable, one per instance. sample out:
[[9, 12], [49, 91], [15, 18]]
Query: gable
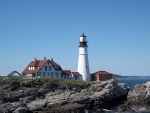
[[48, 66], [14, 73]]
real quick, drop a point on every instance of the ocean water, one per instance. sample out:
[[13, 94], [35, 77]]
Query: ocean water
[[130, 82]]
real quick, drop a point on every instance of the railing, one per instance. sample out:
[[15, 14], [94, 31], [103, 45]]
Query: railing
[[83, 45]]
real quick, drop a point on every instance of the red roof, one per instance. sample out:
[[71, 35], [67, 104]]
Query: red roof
[[66, 72], [54, 63], [103, 73], [38, 64], [76, 74]]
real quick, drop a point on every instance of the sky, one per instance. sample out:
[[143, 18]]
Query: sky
[[118, 34]]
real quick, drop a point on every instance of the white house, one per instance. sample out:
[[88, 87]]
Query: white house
[[14, 74], [49, 69], [43, 68]]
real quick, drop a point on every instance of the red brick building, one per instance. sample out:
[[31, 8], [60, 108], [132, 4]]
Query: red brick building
[[102, 76]]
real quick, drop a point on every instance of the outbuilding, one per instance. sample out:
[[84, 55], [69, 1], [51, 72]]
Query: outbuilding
[[76, 76], [66, 74], [14, 74], [102, 76]]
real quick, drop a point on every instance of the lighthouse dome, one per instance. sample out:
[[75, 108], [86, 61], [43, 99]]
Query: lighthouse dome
[[82, 35]]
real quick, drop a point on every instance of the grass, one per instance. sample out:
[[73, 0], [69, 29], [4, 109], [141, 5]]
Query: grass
[[47, 80], [63, 81], [71, 81]]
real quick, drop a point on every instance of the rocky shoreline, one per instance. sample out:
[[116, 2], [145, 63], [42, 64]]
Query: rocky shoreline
[[34, 96], [138, 100]]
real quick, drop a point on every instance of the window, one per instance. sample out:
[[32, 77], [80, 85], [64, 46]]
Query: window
[[56, 67], [45, 68], [31, 68], [61, 76], [52, 75], [49, 68], [43, 74], [39, 74], [48, 63], [76, 77], [47, 73], [56, 75]]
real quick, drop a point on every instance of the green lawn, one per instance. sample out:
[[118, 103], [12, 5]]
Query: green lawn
[[47, 80]]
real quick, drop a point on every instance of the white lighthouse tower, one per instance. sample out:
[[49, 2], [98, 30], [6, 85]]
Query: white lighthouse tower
[[83, 63]]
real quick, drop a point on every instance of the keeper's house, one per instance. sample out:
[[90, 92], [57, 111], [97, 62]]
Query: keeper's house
[[49, 69], [43, 68]]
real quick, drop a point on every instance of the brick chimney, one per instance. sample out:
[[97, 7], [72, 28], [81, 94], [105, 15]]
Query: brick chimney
[[34, 59], [44, 58]]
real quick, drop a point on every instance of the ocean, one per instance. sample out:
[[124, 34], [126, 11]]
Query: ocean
[[130, 82]]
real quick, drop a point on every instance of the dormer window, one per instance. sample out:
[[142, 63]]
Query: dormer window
[[31, 68], [57, 67]]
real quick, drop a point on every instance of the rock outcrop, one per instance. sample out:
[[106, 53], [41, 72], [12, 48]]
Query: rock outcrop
[[138, 99], [36, 96]]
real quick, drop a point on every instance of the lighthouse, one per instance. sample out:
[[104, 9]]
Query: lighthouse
[[83, 63]]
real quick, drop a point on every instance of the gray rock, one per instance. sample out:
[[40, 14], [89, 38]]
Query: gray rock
[[139, 98], [21, 110], [36, 105]]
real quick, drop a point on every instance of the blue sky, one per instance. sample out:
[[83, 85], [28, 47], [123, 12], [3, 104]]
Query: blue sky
[[118, 34]]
